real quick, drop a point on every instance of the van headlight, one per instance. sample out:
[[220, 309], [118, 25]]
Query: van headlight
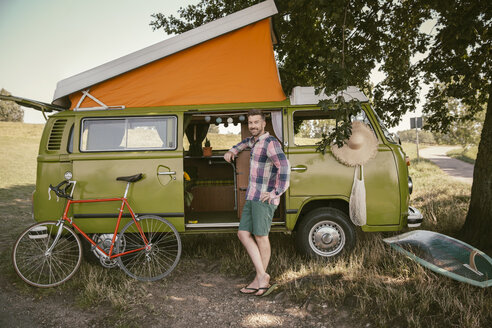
[[410, 185], [68, 175]]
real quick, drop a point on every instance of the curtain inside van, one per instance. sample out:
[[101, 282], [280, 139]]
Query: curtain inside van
[[196, 133], [277, 125]]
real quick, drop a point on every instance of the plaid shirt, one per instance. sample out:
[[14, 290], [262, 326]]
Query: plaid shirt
[[269, 169]]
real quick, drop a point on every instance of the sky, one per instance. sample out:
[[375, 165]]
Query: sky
[[45, 41]]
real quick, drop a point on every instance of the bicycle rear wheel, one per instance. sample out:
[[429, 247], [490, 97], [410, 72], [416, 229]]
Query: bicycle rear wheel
[[41, 269], [159, 259]]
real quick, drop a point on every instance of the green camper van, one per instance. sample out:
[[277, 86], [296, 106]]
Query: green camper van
[[151, 112], [205, 194]]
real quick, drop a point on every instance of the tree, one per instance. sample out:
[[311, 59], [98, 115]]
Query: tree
[[9, 110], [467, 128], [459, 63], [334, 44]]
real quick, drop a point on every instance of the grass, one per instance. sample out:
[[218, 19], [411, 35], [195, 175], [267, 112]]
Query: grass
[[19, 144], [373, 282], [18, 150], [442, 200], [469, 155], [410, 149]]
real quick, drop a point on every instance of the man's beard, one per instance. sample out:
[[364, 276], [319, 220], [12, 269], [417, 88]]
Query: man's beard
[[255, 132]]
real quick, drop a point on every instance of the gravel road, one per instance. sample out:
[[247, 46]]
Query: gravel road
[[454, 167]]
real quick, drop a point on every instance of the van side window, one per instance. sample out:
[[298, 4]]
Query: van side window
[[310, 125], [128, 134]]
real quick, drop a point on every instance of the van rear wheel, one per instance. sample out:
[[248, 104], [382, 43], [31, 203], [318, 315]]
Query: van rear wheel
[[325, 232]]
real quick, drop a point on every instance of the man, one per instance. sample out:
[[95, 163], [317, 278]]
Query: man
[[268, 179]]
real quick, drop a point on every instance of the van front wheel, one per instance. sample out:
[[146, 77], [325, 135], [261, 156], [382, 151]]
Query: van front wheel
[[325, 232]]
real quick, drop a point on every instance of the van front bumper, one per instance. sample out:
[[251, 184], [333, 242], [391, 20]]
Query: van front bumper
[[415, 218]]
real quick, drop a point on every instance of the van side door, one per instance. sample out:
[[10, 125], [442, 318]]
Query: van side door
[[110, 147], [317, 176]]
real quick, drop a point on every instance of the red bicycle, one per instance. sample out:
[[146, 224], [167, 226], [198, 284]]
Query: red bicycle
[[49, 253]]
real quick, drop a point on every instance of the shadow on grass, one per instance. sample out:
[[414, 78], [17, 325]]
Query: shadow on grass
[[373, 282], [15, 211], [15, 216]]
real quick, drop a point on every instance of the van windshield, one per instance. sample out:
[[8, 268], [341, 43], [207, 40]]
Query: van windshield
[[388, 135]]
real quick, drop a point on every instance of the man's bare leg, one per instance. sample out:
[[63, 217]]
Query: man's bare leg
[[254, 253], [263, 244]]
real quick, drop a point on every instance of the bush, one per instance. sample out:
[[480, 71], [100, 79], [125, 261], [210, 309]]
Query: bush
[[9, 110], [410, 136]]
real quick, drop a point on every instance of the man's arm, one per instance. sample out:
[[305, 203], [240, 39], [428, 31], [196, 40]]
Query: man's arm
[[278, 158], [231, 153]]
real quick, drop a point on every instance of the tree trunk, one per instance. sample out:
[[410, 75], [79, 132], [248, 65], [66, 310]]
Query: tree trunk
[[477, 229]]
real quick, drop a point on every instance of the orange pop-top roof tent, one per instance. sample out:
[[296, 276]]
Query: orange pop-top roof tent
[[230, 60]]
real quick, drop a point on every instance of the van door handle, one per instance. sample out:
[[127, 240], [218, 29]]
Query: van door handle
[[298, 169], [167, 173]]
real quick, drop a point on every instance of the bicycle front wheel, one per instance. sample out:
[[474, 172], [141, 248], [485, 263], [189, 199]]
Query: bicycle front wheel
[[155, 261], [40, 268]]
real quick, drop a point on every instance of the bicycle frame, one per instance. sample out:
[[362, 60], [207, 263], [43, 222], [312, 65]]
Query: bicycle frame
[[124, 203]]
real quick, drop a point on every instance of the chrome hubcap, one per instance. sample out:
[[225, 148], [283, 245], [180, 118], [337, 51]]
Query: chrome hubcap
[[327, 238]]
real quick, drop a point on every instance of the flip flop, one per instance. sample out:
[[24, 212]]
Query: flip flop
[[267, 290], [253, 290]]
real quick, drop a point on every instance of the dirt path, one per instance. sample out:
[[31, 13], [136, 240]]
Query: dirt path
[[209, 299], [195, 295], [454, 167]]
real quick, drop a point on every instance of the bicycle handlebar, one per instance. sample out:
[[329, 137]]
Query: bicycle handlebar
[[62, 192]]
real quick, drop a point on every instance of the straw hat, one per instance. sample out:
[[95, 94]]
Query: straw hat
[[359, 149]]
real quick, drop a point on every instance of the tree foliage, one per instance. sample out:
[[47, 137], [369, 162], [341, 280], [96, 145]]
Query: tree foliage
[[9, 110], [334, 44], [458, 65], [467, 128]]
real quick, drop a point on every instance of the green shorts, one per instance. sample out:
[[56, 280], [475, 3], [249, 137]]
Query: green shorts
[[257, 217]]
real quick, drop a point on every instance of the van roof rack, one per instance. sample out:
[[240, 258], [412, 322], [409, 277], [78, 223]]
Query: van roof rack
[[307, 95]]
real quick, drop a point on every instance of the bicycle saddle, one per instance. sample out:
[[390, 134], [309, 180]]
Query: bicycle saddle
[[131, 178]]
